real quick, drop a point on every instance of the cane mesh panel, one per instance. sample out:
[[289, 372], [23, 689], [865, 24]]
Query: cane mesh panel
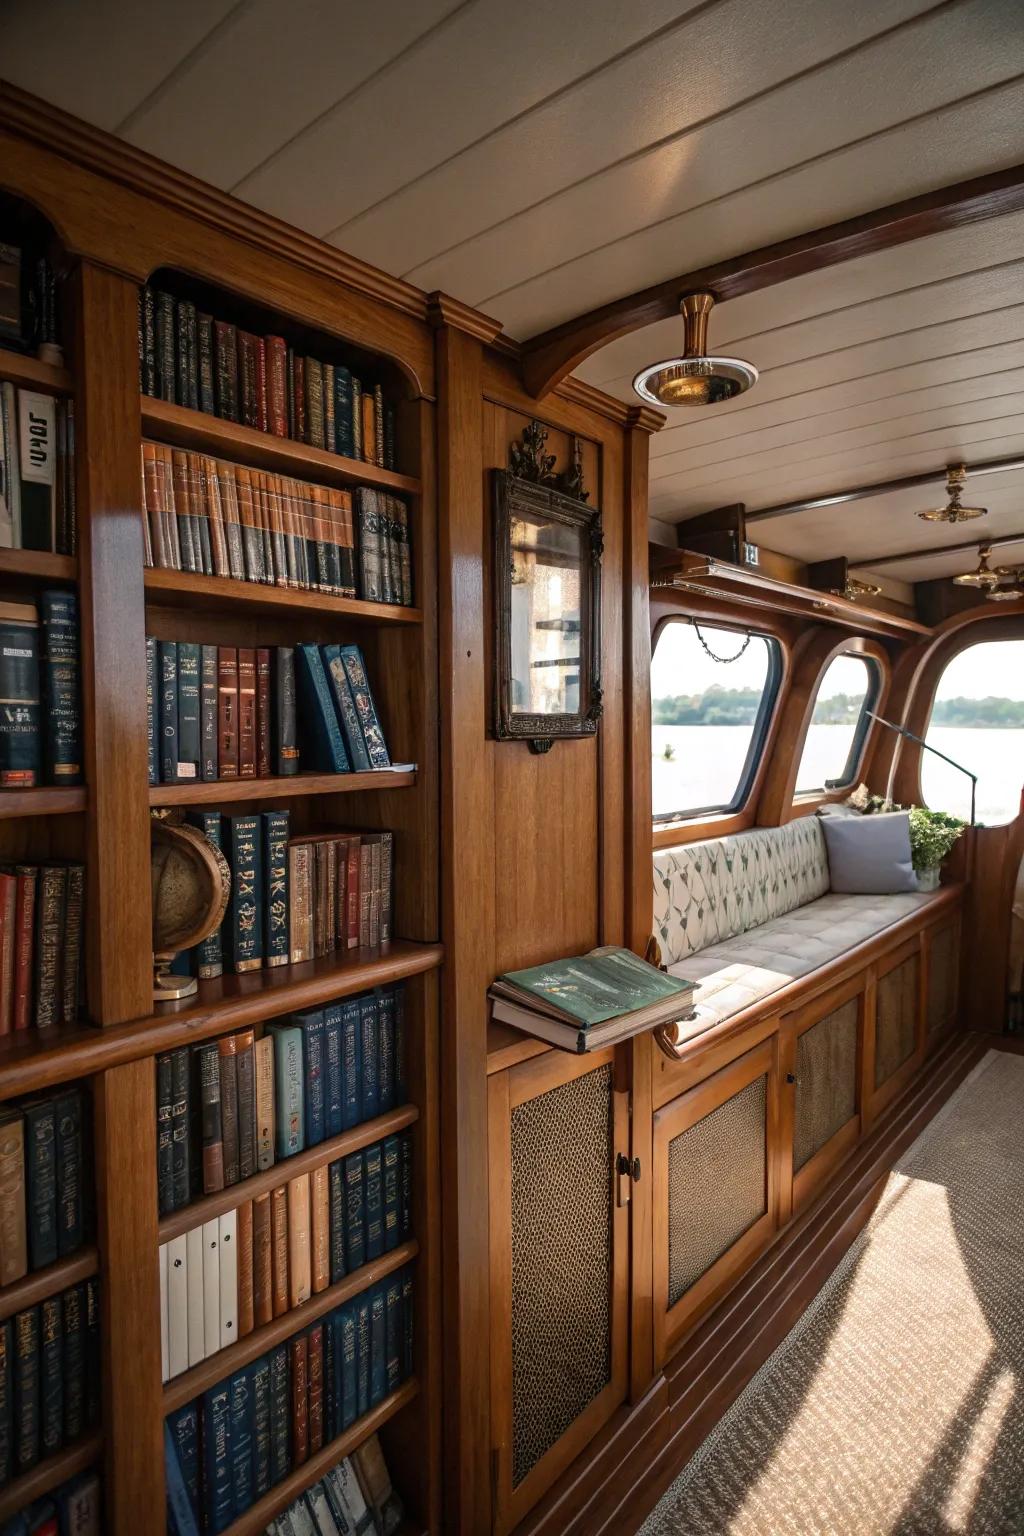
[[561, 1261], [716, 1185], [942, 978], [896, 1019], [826, 1081]]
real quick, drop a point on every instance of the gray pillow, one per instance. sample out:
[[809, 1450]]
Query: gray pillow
[[869, 855]]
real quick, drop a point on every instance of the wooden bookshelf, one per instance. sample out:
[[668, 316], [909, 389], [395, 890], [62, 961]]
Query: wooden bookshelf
[[44, 800], [30, 373], [41, 1283], [37, 565], [185, 428], [49, 1474], [218, 1367], [235, 791], [362, 1135], [187, 589], [257, 1518]]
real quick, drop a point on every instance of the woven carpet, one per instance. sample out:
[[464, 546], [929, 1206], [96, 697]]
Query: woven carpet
[[895, 1407]]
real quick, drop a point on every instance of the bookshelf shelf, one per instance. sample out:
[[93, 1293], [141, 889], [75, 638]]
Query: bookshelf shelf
[[30, 373], [187, 589], [256, 1519], [50, 1473], [359, 1136], [37, 565], [42, 1283], [221, 1365], [185, 428], [233, 791], [44, 800]]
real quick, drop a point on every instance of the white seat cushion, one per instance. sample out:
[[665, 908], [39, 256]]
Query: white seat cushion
[[743, 970]]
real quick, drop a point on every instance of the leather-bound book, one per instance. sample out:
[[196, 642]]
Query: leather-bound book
[[369, 435], [26, 1389], [378, 425], [265, 1108], [277, 385], [299, 1268], [280, 1413], [263, 712], [24, 930], [300, 887], [227, 712], [320, 1228], [343, 412], [275, 874], [299, 1350], [207, 390], [279, 1248], [74, 1362], [180, 1121], [209, 471], [285, 760], [227, 1048], [246, 713], [41, 1181], [248, 385], [62, 736], [13, 1235], [245, 1057], [245, 1259], [70, 1172], [261, 1433], [147, 340], [314, 403], [243, 934], [357, 418], [330, 433], [165, 347], [262, 1267], [212, 1132], [226, 370], [51, 1376], [262, 409], [315, 1377], [49, 968], [209, 953], [20, 748], [8, 946], [164, 1150], [299, 395], [228, 481]]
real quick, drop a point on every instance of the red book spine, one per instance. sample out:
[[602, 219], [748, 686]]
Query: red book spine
[[300, 1406], [227, 712], [263, 713], [352, 891], [277, 385], [261, 383], [315, 1371], [299, 379], [8, 910], [24, 924], [246, 713]]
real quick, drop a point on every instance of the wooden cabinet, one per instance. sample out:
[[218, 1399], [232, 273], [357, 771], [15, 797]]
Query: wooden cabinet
[[821, 1049], [559, 1267], [894, 1033], [941, 979]]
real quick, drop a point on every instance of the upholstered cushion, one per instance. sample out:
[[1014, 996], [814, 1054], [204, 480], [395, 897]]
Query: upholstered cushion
[[748, 967], [707, 892], [870, 855]]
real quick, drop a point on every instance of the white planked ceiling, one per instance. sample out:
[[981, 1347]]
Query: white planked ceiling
[[539, 159]]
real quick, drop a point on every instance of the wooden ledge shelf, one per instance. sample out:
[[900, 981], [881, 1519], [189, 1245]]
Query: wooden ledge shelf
[[37, 565], [185, 428], [44, 800], [35, 1059], [258, 1517], [363, 1135], [189, 589], [30, 373], [49, 1474], [233, 791], [41, 1283], [221, 1365]]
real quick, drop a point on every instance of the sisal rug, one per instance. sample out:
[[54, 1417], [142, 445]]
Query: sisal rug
[[895, 1407]]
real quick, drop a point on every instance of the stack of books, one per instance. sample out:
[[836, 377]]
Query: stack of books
[[228, 1448], [236, 1106], [40, 727], [356, 1495], [73, 1509], [37, 471], [41, 911], [29, 312], [49, 1377], [45, 1183], [590, 1001], [238, 1271], [217, 712], [192, 359]]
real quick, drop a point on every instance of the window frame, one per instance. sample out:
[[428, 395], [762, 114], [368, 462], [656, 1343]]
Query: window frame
[[762, 724], [942, 660], [855, 755]]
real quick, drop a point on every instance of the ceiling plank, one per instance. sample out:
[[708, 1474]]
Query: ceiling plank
[[879, 488], [998, 542], [547, 358]]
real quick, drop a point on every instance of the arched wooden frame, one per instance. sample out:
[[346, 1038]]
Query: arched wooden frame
[[814, 653]]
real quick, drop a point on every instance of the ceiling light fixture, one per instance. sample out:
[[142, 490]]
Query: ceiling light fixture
[[855, 588], [984, 577], [953, 512], [695, 378], [1008, 594]]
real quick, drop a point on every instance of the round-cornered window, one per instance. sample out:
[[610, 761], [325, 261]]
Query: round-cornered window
[[835, 736], [977, 719]]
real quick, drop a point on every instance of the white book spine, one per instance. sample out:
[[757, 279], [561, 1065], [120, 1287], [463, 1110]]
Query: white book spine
[[211, 1286], [165, 1350], [325, 1522], [177, 1306], [196, 1323], [228, 1279]]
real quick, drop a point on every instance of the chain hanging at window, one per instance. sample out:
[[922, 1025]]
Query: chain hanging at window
[[725, 660]]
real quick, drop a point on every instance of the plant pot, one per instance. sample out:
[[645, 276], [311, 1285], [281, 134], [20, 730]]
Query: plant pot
[[928, 879]]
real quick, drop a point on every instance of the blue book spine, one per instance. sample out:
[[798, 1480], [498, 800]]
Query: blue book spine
[[385, 1050], [362, 1325], [392, 1182], [26, 1389], [369, 1025], [343, 440], [51, 1377], [405, 1190], [345, 706], [242, 1484], [58, 611], [336, 1207], [189, 729], [41, 1182], [333, 1124], [355, 1237], [311, 1024], [74, 1362], [408, 1320], [261, 1441], [393, 1333], [351, 1064], [152, 734], [288, 1095], [378, 1347], [280, 1414], [208, 701], [218, 1481], [401, 1061], [70, 1219], [167, 652], [321, 744], [184, 1429], [373, 1198], [6, 1402], [180, 1508], [243, 924], [366, 709], [276, 938], [346, 1365], [210, 952]]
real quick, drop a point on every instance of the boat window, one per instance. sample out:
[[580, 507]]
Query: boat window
[[838, 725], [977, 719], [712, 695]]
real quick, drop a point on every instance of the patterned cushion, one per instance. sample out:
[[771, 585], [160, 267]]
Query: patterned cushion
[[742, 970], [707, 892]]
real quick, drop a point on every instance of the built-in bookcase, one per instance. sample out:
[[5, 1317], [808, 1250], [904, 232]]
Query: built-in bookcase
[[105, 824]]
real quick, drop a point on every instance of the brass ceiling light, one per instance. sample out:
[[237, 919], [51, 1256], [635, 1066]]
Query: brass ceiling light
[[953, 512], [984, 577], [1008, 594], [856, 588], [695, 378]]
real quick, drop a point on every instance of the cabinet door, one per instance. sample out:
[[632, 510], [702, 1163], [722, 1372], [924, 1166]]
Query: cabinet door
[[559, 1267], [822, 1046], [894, 1034], [941, 979], [715, 1188]]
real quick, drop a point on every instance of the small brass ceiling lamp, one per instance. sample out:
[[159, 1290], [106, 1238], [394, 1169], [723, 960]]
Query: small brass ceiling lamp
[[953, 512], [856, 588], [1008, 594], [695, 378], [984, 578]]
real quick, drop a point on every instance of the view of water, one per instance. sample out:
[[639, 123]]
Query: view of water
[[708, 761]]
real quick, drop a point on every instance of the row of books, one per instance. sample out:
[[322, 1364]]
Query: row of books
[[49, 1377], [355, 1498], [40, 721], [220, 519], [37, 471], [236, 1106], [228, 1448], [41, 921], [240, 1270], [193, 359], [292, 899], [73, 1509], [45, 1182], [217, 712], [29, 318]]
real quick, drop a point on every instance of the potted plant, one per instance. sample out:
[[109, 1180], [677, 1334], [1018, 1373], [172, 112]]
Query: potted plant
[[932, 835]]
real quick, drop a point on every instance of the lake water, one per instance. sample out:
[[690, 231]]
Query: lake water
[[708, 761]]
